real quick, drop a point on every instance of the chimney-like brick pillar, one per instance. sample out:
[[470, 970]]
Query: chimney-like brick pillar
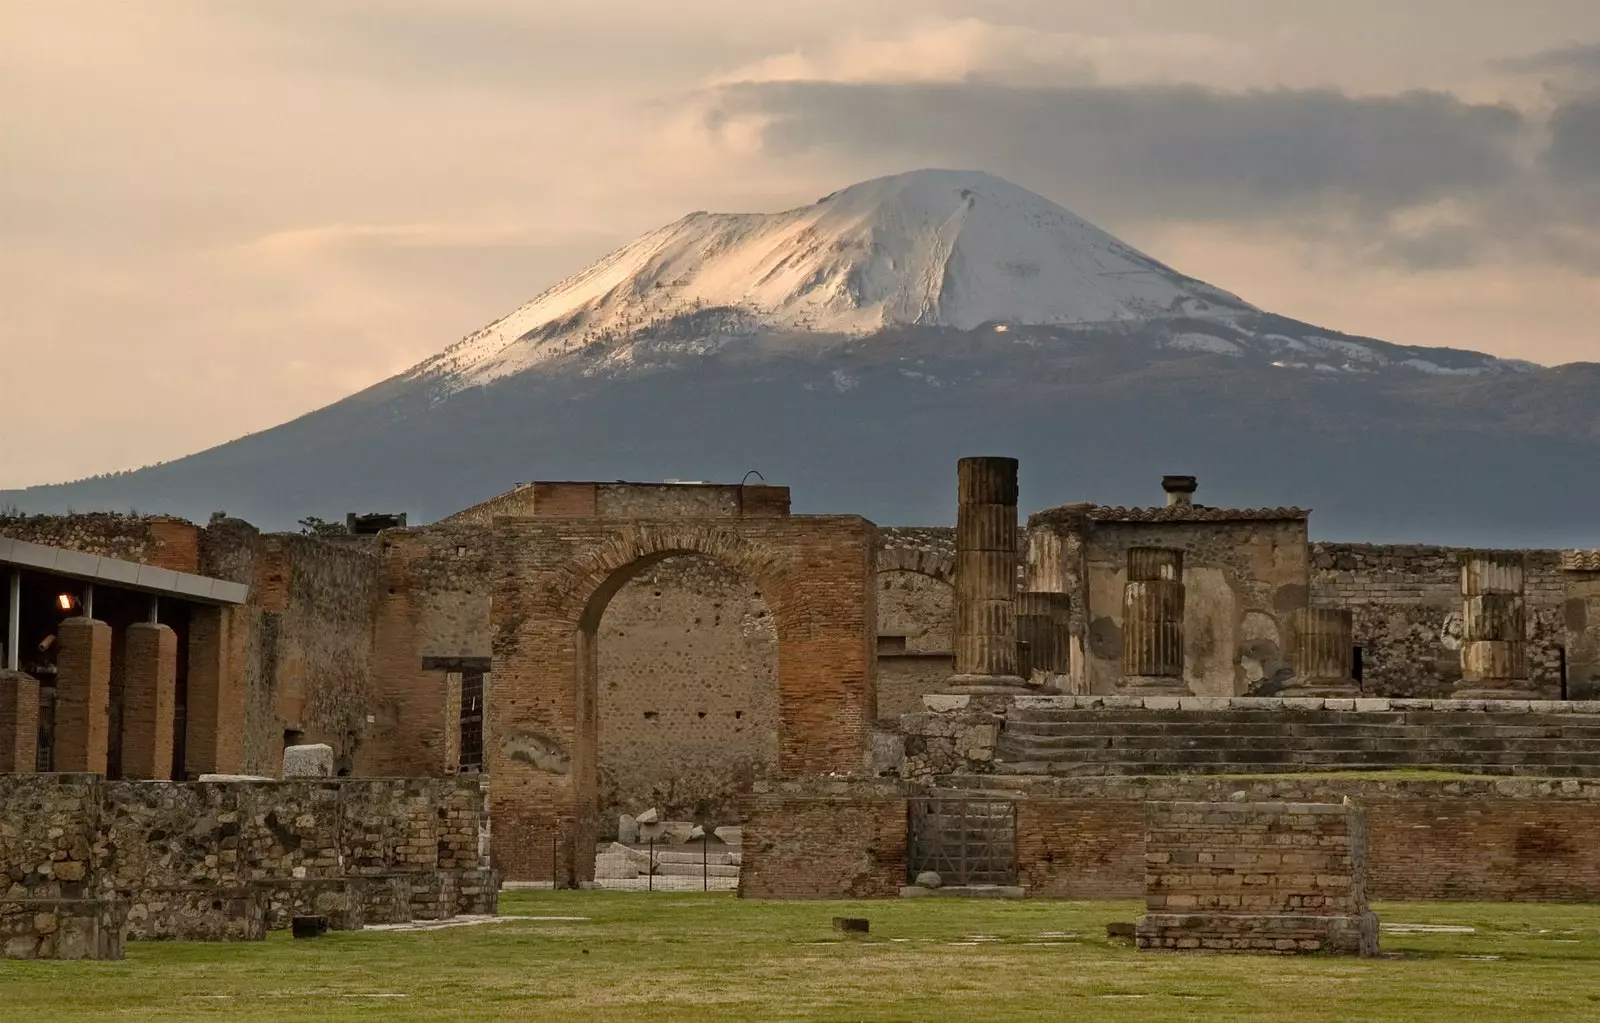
[[149, 697], [986, 573], [83, 695], [1494, 628], [19, 723], [1152, 621], [1322, 651], [214, 711]]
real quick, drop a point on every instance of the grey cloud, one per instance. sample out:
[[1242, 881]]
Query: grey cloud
[[1584, 59], [1574, 151], [1162, 151]]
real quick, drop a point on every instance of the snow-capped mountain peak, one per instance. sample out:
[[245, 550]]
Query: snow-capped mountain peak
[[932, 248]]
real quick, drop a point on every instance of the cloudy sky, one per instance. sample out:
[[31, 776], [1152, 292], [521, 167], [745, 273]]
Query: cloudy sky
[[218, 214]]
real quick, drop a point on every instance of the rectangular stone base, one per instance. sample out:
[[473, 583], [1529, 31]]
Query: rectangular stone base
[[478, 892], [386, 899], [196, 914], [1284, 934], [338, 899], [62, 928]]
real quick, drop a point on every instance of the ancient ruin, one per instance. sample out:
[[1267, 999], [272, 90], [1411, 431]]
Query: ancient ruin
[[560, 659]]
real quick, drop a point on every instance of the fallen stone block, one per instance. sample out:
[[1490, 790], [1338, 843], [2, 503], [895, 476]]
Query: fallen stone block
[[627, 828], [310, 761], [650, 816], [730, 835]]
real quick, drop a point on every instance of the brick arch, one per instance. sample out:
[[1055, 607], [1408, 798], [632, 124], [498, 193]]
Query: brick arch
[[934, 564], [555, 578]]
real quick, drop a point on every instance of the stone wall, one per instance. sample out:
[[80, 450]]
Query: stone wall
[[147, 539], [824, 839], [687, 693], [1407, 606], [62, 928], [1582, 619], [916, 616]]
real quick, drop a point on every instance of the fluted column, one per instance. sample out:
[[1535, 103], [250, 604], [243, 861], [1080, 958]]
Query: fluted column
[[1152, 621], [1322, 651], [1494, 628], [986, 573], [1042, 633]]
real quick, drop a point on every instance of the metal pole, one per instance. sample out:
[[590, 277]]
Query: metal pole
[[650, 875], [155, 609], [88, 600], [14, 623], [705, 860], [555, 869]]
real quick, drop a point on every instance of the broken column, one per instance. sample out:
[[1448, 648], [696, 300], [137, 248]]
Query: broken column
[[1322, 652], [1494, 629], [149, 699], [1152, 622], [19, 722], [83, 695], [986, 574]]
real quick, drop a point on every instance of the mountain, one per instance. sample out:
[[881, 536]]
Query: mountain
[[854, 348]]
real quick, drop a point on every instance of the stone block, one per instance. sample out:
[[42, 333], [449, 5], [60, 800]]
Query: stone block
[[309, 761], [666, 832], [733, 835], [650, 816], [1370, 705], [627, 828], [941, 703], [63, 928]]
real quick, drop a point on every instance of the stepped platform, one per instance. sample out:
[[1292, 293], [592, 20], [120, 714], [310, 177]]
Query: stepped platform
[[1111, 736]]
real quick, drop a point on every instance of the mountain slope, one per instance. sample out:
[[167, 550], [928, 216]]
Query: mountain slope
[[855, 348]]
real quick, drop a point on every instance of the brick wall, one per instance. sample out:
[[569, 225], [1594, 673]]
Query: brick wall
[[802, 841], [1407, 606]]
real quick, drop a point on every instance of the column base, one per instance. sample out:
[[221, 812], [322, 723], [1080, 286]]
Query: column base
[[1153, 685], [988, 684], [1320, 687]]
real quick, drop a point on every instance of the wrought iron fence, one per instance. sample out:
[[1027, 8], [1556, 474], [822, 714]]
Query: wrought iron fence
[[966, 841]]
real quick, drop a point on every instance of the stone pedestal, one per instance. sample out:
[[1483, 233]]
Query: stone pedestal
[[149, 701], [1152, 622], [19, 722], [83, 696], [986, 576], [1322, 650], [1494, 629]]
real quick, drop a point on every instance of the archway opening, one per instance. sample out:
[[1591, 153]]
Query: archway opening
[[685, 690]]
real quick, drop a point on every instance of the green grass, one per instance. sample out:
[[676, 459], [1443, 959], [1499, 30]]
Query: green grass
[[713, 957]]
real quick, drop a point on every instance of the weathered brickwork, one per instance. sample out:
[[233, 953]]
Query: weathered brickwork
[[147, 539], [83, 695], [824, 840], [1407, 606], [1256, 877], [19, 722], [687, 692], [816, 574], [205, 860], [149, 695], [916, 612]]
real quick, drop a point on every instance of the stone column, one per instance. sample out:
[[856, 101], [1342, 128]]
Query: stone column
[[83, 695], [986, 574], [1152, 622], [214, 713], [1494, 628], [1322, 652], [1043, 642], [149, 693], [19, 723]]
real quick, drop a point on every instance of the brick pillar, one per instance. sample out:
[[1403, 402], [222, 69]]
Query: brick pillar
[[149, 697], [19, 723], [1494, 629], [83, 695], [214, 730], [1322, 652], [986, 574], [1152, 622]]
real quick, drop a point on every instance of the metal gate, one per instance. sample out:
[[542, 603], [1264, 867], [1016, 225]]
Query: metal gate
[[964, 840], [471, 721]]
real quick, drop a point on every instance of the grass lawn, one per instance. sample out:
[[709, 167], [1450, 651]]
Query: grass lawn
[[713, 957]]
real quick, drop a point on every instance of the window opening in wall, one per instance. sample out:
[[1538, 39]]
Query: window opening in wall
[[1561, 652], [293, 737], [1357, 667], [471, 758]]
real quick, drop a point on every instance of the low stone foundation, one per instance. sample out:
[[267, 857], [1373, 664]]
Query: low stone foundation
[[1256, 877], [478, 893], [196, 914], [338, 899], [62, 928]]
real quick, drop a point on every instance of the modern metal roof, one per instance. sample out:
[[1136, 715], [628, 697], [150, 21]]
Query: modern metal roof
[[128, 575]]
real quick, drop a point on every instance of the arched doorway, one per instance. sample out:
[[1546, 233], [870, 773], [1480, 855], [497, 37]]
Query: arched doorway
[[686, 693]]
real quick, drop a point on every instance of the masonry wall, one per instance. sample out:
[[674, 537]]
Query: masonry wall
[[147, 539], [803, 841], [916, 616], [687, 692], [1406, 602], [76, 835], [1581, 615], [1243, 579]]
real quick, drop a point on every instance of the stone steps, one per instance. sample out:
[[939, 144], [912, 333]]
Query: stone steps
[[1060, 769]]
